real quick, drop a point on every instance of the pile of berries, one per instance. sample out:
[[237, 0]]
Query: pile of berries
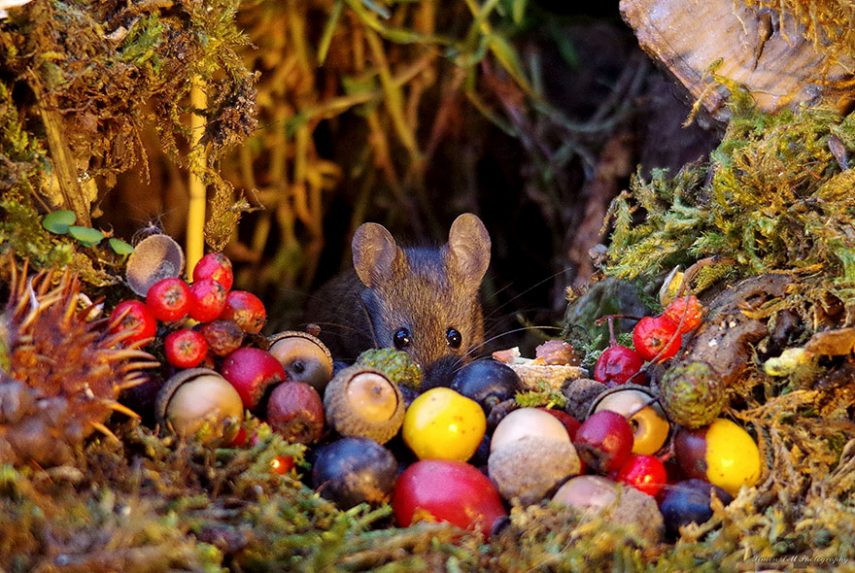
[[655, 338], [205, 318]]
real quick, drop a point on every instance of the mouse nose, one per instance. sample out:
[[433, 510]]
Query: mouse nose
[[441, 371]]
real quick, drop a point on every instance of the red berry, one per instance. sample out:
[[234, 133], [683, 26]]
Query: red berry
[[208, 299], [135, 319], [295, 411], [688, 309], [240, 439], [617, 364], [215, 266], [223, 336], [185, 348], [604, 441], [281, 464], [655, 334], [571, 424], [246, 310], [251, 371], [169, 299], [645, 473]]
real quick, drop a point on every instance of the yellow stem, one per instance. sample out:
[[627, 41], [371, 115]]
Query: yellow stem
[[195, 241]]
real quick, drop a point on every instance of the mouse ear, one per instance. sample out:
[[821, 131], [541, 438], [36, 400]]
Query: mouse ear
[[467, 254], [374, 254]]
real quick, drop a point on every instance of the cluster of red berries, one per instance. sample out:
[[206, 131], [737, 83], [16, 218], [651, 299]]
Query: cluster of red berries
[[205, 317], [655, 338]]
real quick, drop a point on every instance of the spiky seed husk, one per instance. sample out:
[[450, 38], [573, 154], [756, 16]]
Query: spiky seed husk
[[64, 374], [346, 417], [692, 394], [396, 364]]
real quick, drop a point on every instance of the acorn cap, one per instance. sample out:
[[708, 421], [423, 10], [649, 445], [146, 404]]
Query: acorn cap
[[362, 402], [692, 393], [154, 258], [303, 356], [529, 468], [216, 404]]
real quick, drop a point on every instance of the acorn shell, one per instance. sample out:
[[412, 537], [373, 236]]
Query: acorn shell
[[154, 258], [345, 416], [651, 397], [528, 469], [303, 356], [224, 419]]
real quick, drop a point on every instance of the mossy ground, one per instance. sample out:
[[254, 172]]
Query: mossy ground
[[777, 196]]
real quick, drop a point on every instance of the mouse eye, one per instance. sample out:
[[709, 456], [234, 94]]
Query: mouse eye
[[453, 338], [402, 338]]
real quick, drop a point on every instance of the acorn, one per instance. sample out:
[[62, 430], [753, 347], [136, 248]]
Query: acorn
[[689, 501], [303, 356], [487, 381], [638, 404], [156, 257], [621, 505], [351, 471], [199, 403], [364, 402], [528, 422], [61, 373], [396, 364], [529, 468], [722, 453], [692, 394]]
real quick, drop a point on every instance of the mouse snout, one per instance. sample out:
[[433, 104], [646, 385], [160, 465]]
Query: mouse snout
[[441, 371]]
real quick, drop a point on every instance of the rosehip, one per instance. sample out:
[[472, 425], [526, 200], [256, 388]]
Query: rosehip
[[246, 310], [689, 306], [135, 319], [645, 473], [604, 441], [208, 299], [185, 348], [169, 299], [617, 364], [215, 266], [251, 371], [653, 335]]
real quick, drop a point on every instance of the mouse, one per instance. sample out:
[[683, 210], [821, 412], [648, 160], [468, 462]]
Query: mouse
[[424, 300]]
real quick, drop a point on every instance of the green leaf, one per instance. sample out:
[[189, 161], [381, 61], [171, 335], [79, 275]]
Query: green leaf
[[59, 221], [518, 10], [359, 84], [509, 59], [120, 247], [88, 236], [329, 30]]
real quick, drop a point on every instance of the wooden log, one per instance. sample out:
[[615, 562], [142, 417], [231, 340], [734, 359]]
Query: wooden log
[[759, 49]]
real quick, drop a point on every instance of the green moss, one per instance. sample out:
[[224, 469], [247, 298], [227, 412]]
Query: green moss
[[776, 199]]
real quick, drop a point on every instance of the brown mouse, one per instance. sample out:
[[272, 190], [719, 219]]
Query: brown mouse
[[424, 300]]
